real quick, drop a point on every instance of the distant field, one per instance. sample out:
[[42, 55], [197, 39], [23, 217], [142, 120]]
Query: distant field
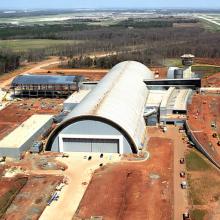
[[172, 62], [26, 44], [210, 21], [47, 19]]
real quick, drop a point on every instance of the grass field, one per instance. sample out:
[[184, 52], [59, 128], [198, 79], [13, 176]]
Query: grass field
[[194, 162], [205, 70], [204, 181], [198, 214], [26, 44], [172, 62], [210, 26]]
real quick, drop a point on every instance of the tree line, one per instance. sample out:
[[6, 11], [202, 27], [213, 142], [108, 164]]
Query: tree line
[[148, 43], [8, 61]]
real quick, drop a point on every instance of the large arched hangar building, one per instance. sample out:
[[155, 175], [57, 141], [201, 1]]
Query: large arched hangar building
[[110, 118]]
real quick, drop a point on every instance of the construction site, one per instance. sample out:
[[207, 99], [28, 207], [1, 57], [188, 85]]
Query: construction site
[[73, 135]]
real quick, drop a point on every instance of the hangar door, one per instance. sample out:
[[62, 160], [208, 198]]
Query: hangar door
[[90, 145]]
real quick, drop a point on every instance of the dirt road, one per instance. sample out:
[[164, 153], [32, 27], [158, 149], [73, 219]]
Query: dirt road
[[6, 79], [180, 196]]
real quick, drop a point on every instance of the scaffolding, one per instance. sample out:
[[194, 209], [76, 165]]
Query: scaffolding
[[45, 85]]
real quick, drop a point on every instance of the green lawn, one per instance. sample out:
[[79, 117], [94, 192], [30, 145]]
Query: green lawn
[[204, 181], [196, 162], [173, 62], [198, 214], [26, 44], [205, 70]]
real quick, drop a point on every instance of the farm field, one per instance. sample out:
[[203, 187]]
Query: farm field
[[30, 44]]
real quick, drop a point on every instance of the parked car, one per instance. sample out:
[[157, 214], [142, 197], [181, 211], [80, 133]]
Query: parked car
[[182, 160], [184, 185], [182, 174]]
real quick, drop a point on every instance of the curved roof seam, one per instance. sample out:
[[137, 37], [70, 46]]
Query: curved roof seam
[[119, 97]]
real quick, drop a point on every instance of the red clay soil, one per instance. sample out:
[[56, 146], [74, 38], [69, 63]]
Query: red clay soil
[[43, 161], [162, 71], [18, 112], [202, 112], [32, 198], [208, 61], [90, 74], [133, 190], [212, 81]]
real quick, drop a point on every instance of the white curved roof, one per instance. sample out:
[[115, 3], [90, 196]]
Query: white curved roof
[[120, 97]]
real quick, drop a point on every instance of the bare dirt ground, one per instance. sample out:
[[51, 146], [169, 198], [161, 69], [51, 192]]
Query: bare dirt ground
[[179, 196], [19, 111], [162, 72], [7, 78], [44, 161], [32, 198], [202, 112], [211, 81], [24, 194], [90, 74], [78, 175], [133, 190], [208, 61]]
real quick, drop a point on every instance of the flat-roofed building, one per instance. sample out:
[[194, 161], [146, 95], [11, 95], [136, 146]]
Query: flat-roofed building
[[22, 138]]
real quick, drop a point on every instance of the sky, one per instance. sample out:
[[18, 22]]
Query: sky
[[71, 4]]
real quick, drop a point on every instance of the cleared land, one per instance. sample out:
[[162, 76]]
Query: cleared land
[[78, 175], [202, 113], [19, 111], [90, 74], [30, 44], [212, 81], [20, 189], [133, 190]]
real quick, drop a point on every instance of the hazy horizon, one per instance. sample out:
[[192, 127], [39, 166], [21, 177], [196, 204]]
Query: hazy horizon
[[114, 4]]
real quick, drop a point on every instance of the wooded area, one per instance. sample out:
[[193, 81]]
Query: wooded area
[[9, 62], [149, 42]]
